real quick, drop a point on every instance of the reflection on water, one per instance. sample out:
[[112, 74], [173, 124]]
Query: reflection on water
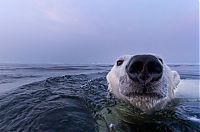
[[179, 115]]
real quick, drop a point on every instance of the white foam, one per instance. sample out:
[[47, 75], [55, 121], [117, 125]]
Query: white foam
[[193, 118]]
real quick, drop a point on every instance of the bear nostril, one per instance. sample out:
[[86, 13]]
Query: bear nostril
[[154, 67], [136, 67]]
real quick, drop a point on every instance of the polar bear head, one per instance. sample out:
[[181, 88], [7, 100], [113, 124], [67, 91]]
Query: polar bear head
[[145, 81]]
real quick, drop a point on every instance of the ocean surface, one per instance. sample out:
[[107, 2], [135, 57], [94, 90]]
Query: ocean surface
[[74, 98]]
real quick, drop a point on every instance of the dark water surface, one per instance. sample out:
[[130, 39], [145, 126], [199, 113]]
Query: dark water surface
[[77, 100]]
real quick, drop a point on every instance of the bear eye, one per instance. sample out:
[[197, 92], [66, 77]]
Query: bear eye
[[120, 62]]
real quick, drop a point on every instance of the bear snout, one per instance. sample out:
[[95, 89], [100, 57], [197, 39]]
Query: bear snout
[[144, 69]]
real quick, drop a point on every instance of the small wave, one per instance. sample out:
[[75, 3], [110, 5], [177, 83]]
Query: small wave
[[189, 76], [194, 118], [55, 104], [17, 76], [10, 78], [57, 68]]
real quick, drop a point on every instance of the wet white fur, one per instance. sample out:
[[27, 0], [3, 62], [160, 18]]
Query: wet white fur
[[113, 78]]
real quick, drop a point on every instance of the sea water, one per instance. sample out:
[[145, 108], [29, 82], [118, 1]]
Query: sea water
[[54, 98]]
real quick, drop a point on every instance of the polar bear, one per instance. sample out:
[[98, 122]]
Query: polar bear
[[143, 80]]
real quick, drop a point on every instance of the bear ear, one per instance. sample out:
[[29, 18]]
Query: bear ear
[[176, 78], [160, 60]]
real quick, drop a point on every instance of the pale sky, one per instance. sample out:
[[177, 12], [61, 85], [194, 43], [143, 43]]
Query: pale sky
[[97, 31]]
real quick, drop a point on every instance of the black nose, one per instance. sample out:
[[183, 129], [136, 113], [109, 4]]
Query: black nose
[[144, 68]]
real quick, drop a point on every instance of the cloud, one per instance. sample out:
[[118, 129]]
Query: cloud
[[53, 14], [49, 10], [60, 12]]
